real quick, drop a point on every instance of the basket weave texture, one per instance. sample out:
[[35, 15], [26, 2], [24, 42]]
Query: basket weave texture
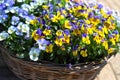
[[26, 70]]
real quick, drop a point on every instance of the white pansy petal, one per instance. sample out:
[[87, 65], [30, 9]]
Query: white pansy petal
[[25, 28], [4, 35], [42, 47], [20, 26], [11, 29], [34, 58], [20, 0], [34, 54]]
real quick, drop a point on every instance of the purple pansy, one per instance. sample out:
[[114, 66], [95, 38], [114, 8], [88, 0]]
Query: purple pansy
[[39, 32], [110, 35], [116, 32], [75, 47], [100, 6], [84, 35], [67, 32], [91, 14]]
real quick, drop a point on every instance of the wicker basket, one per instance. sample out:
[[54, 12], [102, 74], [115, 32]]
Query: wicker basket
[[26, 70]]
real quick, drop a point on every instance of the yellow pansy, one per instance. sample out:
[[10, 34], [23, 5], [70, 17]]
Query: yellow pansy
[[87, 21], [105, 30], [108, 21], [113, 41], [45, 7], [54, 19], [66, 39], [64, 12], [61, 17], [86, 16], [47, 32], [58, 13], [33, 22], [49, 48], [116, 37], [59, 42], [59, 33], [101, 33], [75, 52], [112, 17], [35, 36], [98, 39], [94, 21], [67, 24], [74, 9], [89, 30], [79, 7], [82, 28], [105, 44], [103, 13], [111, 50], [86, 40], [76, 32], [84, 53], [67, 0]]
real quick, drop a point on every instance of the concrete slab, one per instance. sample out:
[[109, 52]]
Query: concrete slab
[[115, 63], [106, 73]]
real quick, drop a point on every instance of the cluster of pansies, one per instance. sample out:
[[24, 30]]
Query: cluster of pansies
[[61, 32]]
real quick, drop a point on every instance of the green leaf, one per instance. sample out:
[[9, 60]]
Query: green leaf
[[63, 2], [62, 21]]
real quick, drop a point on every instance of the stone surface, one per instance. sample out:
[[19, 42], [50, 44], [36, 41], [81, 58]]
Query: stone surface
[[118, 77], [115, 63], [106, 73], [111, 4]]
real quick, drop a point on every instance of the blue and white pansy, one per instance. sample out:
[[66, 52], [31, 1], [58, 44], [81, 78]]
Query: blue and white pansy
[[12, 29], [15, 20], [25, 7], [24, 28], [42, 43], [3, 35], [34, 54]]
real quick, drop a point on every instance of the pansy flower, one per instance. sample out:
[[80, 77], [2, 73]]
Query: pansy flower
[[116, 35], [34, 54], [49, 48], [111, 38], [12, 29], [42, 43], [105, 44], [23, 27], [3, 35], [59, 41], [85, 39], [15, 20], [47, 31], [75, 50], [59, 33], [67, 24], [84, 53]]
